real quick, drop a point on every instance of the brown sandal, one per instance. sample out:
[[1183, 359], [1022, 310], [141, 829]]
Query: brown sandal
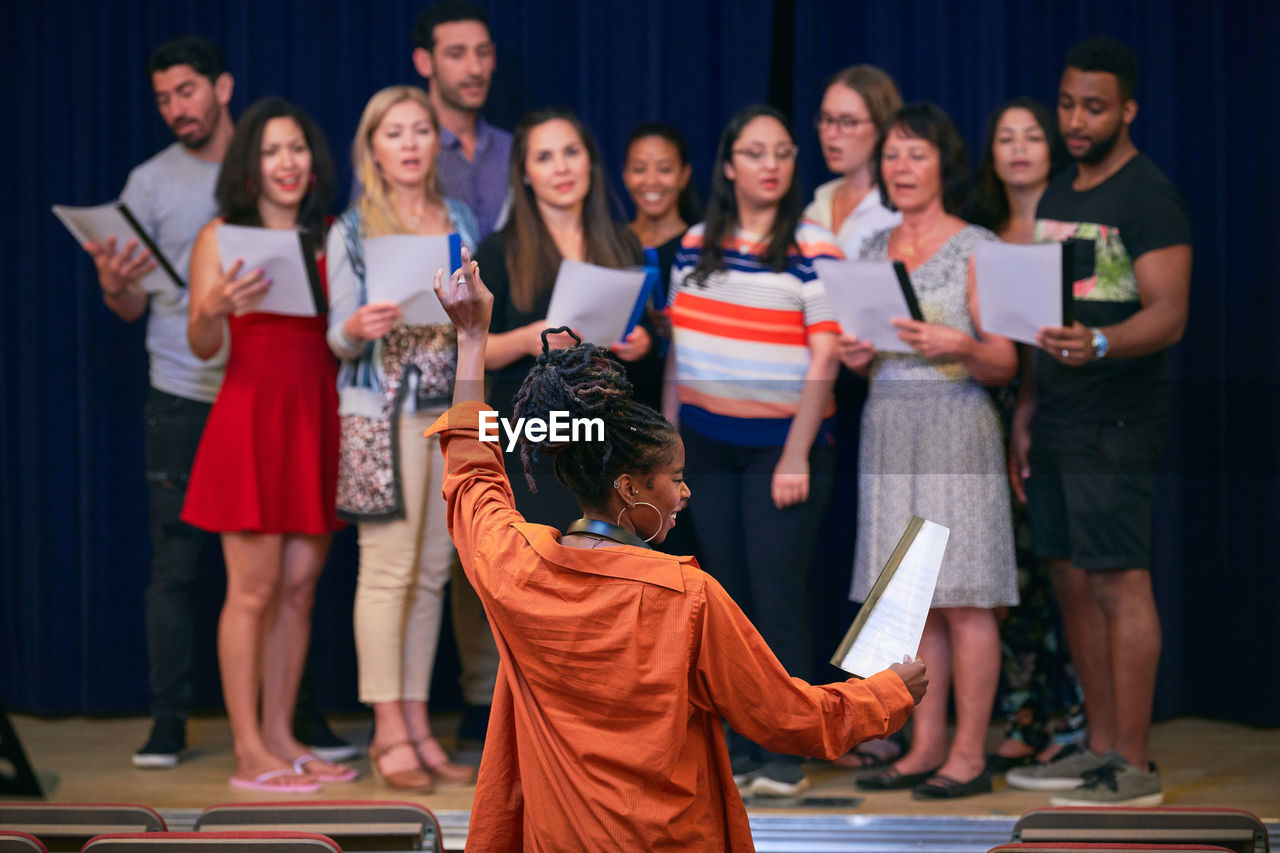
[[412, 781], [446, 772]]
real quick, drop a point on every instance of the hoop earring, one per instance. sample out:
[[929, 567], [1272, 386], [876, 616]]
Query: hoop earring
[[650, 506]]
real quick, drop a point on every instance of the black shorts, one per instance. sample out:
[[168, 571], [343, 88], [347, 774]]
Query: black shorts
[[1090, 490]]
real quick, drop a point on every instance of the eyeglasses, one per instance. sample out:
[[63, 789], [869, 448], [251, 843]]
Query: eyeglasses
[[844, 124], [756, 154]]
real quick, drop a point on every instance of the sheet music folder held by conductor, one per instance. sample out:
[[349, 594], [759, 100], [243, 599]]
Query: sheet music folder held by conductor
[[892, 618]]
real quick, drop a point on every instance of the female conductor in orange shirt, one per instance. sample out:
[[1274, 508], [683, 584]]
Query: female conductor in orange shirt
[[619, 663]]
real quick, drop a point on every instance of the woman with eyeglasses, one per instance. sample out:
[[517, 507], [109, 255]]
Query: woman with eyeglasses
[[750, 374], [855, 104]]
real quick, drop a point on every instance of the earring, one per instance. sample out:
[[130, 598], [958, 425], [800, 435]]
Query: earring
[[313, 179], [615, 484], [250, 188], [526, 180], [656, 531]]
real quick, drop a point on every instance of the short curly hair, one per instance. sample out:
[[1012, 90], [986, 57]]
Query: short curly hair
[[928, 121]]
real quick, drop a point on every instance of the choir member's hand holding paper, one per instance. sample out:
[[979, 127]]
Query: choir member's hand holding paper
[[288, 261], [399, 270], [1023, 288], [596, 302], [867, 296], [891, 621], [96, 226]]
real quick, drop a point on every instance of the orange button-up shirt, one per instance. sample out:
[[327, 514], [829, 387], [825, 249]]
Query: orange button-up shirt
[[617, 666]]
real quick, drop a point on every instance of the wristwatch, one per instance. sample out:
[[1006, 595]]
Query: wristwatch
[[1100, 343]]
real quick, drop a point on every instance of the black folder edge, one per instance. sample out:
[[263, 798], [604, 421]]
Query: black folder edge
[[313, 272], [142, 235], [878, 588], [908, 292], [1077, 263]]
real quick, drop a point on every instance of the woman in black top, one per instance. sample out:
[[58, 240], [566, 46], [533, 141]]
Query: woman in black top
[[559, 210]]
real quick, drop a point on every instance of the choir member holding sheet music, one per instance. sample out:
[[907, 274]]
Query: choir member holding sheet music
[[656, 173], [171, 194], [1023, 150], [930, 446], [559, 211], [751, 369], [855, 105], [266, 472], [395, 380]]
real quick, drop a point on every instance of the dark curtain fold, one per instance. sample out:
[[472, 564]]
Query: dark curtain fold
[[73, 541]]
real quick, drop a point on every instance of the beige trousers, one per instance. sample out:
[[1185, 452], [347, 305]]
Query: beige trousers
[[403, 569]]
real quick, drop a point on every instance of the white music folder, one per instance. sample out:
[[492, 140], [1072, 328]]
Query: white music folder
[[891, 621]]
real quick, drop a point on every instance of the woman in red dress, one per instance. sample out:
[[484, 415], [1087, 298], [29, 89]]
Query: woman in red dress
[[266, 471]]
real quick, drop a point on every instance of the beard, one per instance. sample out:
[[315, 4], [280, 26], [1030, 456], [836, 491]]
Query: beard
[[453, 96], [194, 135], [1098, 151]]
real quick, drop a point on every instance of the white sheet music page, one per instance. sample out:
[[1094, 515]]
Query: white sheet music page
[[1019, 288], [896, 621], [279, 253], [594, 301], [866, 296], [95, 224], [401, 268]]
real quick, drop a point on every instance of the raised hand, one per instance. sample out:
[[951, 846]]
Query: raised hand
[[465, 298]]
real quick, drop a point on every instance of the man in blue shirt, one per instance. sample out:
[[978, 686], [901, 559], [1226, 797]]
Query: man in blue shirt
[[455, 54]]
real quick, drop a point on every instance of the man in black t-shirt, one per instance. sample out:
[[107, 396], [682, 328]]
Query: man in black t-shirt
[[1091, 422]]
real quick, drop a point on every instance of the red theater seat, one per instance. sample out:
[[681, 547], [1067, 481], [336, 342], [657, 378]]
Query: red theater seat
[[1235, 830], [20, 842], [67, 826], [212, 842], [354, 824]]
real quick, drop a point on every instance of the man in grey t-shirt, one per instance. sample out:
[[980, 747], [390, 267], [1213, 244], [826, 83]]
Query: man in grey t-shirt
[[171, 195]]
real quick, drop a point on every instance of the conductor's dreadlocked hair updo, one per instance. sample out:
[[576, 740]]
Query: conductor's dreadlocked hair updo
[[588, 382]]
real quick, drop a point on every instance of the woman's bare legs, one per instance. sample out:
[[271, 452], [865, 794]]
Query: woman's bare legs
[[286, 644], [929, 735], [975, 672], [253, 585]]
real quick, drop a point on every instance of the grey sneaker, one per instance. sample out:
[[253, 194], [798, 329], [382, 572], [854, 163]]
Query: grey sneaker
[[779, 779], [1065, 772], [1116, 783]]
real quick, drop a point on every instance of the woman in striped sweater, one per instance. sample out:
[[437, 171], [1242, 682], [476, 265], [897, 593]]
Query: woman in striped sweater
[[750, 379]]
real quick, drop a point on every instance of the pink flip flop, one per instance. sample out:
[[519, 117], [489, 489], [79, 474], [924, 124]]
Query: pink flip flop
[[348, 774], [263, 783]]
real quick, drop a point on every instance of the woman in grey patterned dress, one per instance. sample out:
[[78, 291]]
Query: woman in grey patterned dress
[[931, 446]]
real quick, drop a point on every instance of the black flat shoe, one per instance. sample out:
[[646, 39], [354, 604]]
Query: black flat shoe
[[890, 779], [945, 788]]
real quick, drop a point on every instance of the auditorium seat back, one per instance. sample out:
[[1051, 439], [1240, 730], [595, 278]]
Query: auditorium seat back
[[357, 825], [1102, 847], [12, 841], [67, 826], [1236, 830], [212, 842]]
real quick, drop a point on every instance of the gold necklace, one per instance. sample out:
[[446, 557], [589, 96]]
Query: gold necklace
[[909, 250]]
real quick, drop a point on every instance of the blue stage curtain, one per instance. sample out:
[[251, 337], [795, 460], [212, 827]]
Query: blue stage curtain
[[73, 539]]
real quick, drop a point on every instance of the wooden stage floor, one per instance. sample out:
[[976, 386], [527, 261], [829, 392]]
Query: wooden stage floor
[[1203, 764]]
